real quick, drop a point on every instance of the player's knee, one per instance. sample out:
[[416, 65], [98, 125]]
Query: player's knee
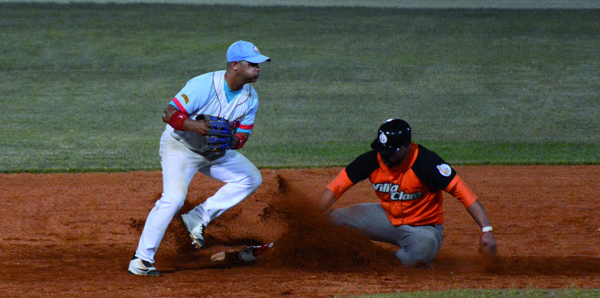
[[413, 258], [419, 253], [426, 244], [172, 199], [339, 218], [336, 218], [254, 180], [413, 262], [168, 208]]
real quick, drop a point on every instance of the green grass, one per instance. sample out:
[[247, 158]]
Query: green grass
[[84, 85], [511, 293]]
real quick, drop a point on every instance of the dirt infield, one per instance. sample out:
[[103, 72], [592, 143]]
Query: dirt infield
[[71, 235]]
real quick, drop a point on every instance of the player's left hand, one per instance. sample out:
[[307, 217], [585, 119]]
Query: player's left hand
[[487, 244]]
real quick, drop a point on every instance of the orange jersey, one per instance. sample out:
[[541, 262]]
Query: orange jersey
[[411, 192]]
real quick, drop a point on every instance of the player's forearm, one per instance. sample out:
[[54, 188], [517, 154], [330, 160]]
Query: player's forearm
[[478, 213], [198, 127], [487, 243], [188, 124], [326, 202]]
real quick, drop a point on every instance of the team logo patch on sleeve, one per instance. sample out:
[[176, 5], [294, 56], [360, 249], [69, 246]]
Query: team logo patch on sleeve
[[444, 169], [187, 100]]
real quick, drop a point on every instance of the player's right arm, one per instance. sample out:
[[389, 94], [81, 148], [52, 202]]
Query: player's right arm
[[326, 202], [356, 171], [180, 121], [194, 95], [334, 191]]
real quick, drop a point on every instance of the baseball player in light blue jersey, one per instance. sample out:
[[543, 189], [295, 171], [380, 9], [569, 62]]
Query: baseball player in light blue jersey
[[187, 147]]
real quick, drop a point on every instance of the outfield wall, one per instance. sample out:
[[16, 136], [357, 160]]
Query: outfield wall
[[500, 4]]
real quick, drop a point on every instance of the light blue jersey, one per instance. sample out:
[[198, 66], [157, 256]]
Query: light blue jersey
[[209, 94]]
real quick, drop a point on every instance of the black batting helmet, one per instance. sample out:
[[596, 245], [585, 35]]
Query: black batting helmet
[[391, 136]]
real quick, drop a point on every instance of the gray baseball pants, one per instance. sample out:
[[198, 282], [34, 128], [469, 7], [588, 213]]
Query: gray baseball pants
[[418, 244]]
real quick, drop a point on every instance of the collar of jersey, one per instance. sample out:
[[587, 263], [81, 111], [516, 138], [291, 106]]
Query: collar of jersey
[[229, 94]]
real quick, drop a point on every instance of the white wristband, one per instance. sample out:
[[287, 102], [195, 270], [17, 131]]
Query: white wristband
[[486, 229]]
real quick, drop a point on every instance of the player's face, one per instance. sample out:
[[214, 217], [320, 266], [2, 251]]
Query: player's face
[[249, 71], [392, 160]]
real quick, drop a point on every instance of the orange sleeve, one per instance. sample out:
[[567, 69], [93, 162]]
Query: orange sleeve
[[340, 184], [459, 189]]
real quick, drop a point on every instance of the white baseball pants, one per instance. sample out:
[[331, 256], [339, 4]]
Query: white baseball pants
[[179, 165]]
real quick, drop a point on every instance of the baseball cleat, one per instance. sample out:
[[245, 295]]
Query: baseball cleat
[[195, 229], [138, 266], [253, 253]]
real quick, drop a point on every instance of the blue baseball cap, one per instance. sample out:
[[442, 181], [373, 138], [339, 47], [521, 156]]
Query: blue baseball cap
[[247, 51]]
